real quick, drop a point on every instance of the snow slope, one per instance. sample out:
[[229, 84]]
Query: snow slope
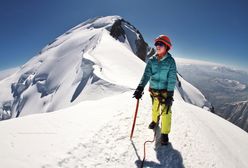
[[192, 95], [96, 134], [69, 69], [87, 78]]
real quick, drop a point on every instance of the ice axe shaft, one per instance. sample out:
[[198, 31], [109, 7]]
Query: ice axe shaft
[[134, 120]]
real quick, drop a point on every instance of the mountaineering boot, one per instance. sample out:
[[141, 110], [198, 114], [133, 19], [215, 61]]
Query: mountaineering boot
[[164, 139], [152, 125]]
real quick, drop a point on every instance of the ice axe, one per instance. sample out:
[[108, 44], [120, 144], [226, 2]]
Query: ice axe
[[134, 120]]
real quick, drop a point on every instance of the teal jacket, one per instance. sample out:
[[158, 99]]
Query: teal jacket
[[162, 74]]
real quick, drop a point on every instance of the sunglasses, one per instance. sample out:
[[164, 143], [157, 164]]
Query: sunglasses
[[160, 44]]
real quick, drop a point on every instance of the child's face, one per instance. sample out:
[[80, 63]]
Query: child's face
[[161, 48]]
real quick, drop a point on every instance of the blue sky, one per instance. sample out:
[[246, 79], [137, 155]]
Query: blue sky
[[210, 30]]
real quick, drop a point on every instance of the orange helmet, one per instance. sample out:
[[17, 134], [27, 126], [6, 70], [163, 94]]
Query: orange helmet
[[164, 39]]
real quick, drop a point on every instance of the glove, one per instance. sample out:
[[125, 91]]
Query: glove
[[169, 99], [138, 92]]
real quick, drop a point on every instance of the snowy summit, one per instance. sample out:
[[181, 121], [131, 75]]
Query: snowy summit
[[71, 106]]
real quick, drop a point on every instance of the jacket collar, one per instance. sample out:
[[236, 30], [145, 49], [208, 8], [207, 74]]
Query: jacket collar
[[167, 55]]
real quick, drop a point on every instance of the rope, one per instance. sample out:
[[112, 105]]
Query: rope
[[142, 163]]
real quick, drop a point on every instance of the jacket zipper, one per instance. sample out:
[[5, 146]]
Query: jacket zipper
[[159, 74]]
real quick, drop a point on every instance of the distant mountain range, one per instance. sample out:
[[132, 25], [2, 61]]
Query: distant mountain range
[[226, 88]]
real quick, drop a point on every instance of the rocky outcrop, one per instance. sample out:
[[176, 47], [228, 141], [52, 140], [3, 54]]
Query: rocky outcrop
[[120, 30]]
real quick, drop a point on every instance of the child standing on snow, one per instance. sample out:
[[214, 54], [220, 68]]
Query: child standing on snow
[[160, 71]]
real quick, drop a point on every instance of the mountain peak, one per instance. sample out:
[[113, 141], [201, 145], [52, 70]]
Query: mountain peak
[[91, 57], [76, 64]]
